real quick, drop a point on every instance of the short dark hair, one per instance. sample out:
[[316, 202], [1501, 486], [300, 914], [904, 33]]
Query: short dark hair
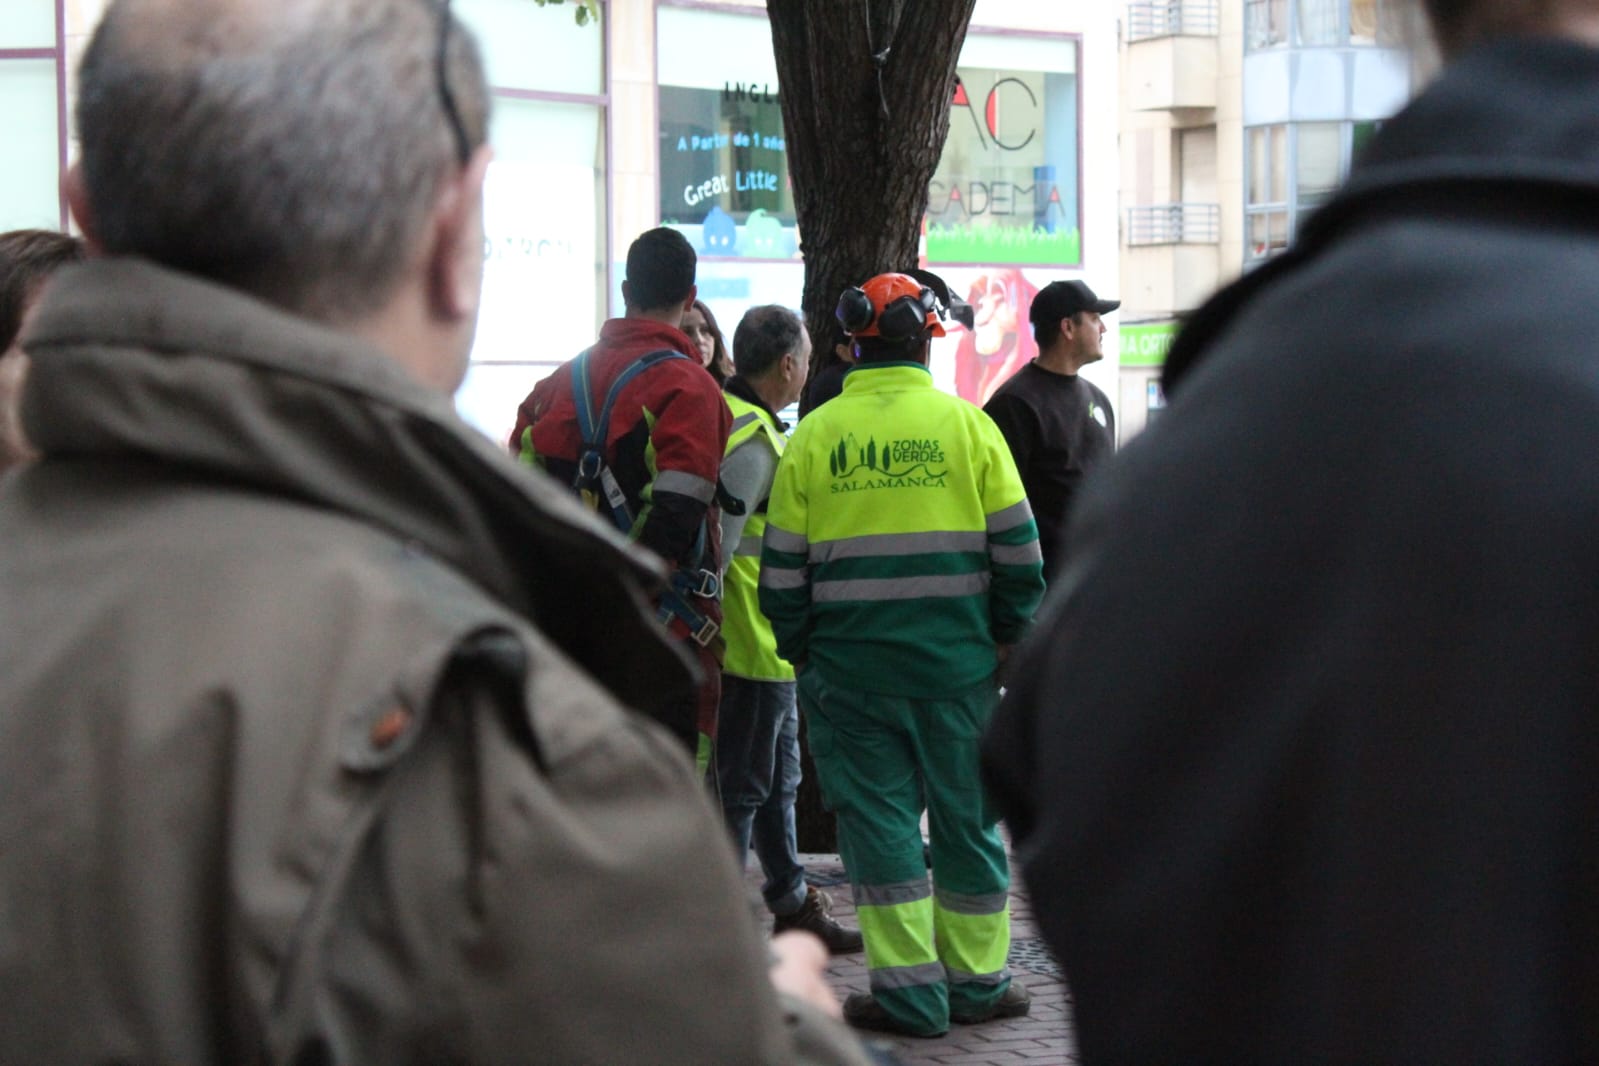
[[27, 257], [883, 350], [295, 159], [660, 269], [765, 334]]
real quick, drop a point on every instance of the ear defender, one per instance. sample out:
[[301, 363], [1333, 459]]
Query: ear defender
[[892, 306], [907, 315], [855, 311]]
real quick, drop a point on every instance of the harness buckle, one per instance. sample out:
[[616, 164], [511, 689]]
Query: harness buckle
[[710, 585], [589, 465], [706, 633]]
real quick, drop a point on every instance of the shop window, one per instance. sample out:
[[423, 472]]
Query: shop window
[[723, 153], [544, 271], [544, 202], [530, 47], [30, 150], [26, 24], [1006, 186]]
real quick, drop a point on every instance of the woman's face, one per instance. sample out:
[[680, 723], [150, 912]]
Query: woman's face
[[700, 333]]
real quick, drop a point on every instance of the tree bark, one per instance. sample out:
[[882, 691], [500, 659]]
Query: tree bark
[[865, 88]]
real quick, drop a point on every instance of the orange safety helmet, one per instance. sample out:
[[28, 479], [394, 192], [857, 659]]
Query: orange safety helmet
[[891, 306]]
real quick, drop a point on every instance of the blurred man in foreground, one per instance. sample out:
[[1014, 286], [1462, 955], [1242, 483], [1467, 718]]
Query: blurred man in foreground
[[1303, 762], [306, 753]]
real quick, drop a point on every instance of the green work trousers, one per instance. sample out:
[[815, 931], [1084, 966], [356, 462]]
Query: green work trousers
[[933, 944]]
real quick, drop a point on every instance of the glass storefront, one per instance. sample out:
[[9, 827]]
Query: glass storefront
[[31, 147], [545, 211]]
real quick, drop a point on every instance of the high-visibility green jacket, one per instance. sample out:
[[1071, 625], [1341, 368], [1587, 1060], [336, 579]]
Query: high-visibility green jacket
[[900, 547], [751, 645]]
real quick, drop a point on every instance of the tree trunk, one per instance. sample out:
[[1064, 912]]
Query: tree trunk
[[865, 87]]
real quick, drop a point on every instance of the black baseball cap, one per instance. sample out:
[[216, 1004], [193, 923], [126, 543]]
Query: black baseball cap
[[1062, 299]]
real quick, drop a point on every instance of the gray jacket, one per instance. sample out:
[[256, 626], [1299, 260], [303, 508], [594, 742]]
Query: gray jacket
[[312, 736]]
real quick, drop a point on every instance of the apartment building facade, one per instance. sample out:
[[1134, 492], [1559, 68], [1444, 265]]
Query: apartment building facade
[[1239, 118]]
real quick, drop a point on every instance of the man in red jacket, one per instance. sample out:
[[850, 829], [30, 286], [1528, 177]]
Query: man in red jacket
[[661, 447]]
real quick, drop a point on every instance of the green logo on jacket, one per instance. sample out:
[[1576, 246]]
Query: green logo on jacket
[[894, 464]]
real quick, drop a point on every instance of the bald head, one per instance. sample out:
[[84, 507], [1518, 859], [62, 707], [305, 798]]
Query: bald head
[[288, 148]]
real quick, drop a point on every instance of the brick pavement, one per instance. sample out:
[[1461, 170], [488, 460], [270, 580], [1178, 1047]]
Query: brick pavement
[[1043, 1038]]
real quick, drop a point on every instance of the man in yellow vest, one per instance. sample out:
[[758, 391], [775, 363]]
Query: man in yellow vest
[[757, 743], [899, 566]]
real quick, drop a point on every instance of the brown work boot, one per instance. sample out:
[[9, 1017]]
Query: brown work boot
[[863, 1011], [813, 917], [1015, 1003]]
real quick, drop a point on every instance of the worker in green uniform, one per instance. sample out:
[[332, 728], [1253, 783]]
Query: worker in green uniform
[[900, 563]]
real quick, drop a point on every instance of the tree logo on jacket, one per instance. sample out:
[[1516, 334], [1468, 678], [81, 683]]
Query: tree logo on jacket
[[893, 464]]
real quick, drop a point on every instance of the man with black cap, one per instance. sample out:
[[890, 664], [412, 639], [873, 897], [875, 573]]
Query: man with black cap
[[1058, 425]]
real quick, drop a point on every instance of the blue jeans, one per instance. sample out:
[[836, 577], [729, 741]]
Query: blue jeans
[[758, 775]]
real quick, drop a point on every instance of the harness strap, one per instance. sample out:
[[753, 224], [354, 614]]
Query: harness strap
[[593, 471]]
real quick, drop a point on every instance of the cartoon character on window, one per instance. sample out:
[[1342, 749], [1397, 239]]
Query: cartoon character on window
[[721, 232], [1001, 340], [763, 236]]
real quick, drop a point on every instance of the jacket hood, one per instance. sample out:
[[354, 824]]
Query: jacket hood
[[1517, 112], [135, 362]]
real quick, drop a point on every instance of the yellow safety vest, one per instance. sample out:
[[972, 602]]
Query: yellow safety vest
[[751, 646]]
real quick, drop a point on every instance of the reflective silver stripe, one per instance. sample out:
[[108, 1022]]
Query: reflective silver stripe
[[878, 544], [784, 541], [777, 577], [751, 546], [1010, 517], [982, 906], [961, 977], [899, 588], [743, 420], [918, 976], [1016, 554], [892, 895], [690, 485]]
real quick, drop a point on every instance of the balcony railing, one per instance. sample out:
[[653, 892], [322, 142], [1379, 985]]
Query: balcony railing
[[1171, 18], [1174, 224]]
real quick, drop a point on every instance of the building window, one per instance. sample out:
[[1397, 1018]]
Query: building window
[[1377, 22], [1265, 23], [546, 246], [1267, 198], [1293, 169], [32, 99], [1323, 23]]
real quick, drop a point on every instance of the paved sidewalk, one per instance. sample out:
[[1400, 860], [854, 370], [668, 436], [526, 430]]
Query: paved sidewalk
[[1043, 1038]]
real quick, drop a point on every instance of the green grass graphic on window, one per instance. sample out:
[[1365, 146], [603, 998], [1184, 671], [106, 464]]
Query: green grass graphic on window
[[1003, 244]]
